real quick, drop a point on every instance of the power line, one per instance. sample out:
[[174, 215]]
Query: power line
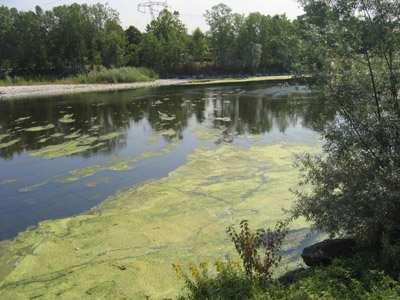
[[152, 7]]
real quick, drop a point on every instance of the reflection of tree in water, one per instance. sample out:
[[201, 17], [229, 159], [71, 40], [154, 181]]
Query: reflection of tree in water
[[164, 109], [258, 115]]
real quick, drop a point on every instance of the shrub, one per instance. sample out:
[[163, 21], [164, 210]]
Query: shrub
[[260, 250], [226, 281], [118, 75], [355, 183], [344, 279]]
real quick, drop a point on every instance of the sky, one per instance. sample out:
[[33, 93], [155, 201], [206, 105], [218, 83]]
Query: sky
[[191, 11]]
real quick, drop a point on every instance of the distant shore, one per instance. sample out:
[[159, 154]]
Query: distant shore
[[46, 90]]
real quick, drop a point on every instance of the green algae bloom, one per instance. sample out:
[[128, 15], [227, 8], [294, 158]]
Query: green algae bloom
[[67, 119], [124, 249], [120, 166], [8, 181], [110, 136], [9, 144], [67, 148], [166, 117], [3, 136], [31, 188], [57, 135], [116, 165], [207, 134], [73, 135], [81, 173], [168, 133], [22, 119], [40, 128]]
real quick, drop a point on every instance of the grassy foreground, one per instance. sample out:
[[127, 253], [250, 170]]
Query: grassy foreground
[[126, 247], [354, 279], [101, 75]]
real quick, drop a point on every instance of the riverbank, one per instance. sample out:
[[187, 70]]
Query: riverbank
[[46, 90]]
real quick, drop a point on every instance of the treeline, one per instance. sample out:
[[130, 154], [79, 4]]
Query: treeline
[[72, 39]]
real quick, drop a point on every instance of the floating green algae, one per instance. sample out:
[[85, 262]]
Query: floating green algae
[[33, 187], [74, 143], [73, 135], [168, 133], [120, 164], [78, 174], [166, 117], [67, 119], [20, 120], [95, 183], [57, 135], [44, 140], [125, 247], [207, 134], [40, 128], [3, 136], [9, 144], [110, 136], [80, 145], [8, 181]]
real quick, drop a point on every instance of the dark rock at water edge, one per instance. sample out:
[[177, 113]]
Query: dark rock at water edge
[[325, 252]]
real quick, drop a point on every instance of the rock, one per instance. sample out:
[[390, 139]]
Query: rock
[[325, 252], [292, 276]]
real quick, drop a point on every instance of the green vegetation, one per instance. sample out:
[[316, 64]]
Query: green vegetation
[[355, 182], [182, 219], [9, 143], [351, 189], [99, 75], [344, 279], [86, 44], [40, 128], [118, 75], [351, 49]]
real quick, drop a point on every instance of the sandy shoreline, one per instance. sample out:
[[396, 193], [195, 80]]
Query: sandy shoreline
[[25, 91], [46, 90]]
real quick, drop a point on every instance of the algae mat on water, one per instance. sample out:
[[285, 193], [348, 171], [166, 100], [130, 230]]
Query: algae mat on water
[[125, 248]]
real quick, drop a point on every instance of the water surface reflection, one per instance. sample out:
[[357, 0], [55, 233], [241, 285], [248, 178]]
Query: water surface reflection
[[61, 156]]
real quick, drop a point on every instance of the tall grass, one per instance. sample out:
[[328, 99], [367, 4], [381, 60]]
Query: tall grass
[[120, 75], [99, 75]]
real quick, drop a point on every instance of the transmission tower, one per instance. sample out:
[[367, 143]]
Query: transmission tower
[[152, 7]]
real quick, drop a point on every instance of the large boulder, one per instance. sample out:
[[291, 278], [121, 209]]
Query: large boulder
[[325, 252]]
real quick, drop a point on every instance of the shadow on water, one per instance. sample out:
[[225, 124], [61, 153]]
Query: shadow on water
[[42, 140]]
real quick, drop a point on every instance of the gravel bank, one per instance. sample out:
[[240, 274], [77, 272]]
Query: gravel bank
[[25, 91]]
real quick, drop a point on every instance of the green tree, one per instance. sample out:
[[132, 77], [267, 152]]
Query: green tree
[[222, 34], [198, 46], [356, 181], [168, 36], [7, 31], [134, 38]]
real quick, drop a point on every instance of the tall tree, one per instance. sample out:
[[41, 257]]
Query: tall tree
[[355, 183], [172, 41], [198, 46], [222, 34]]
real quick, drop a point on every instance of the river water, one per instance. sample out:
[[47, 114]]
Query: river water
[[61, 156]]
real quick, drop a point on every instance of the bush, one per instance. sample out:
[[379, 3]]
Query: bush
[[260, 250], [98, 75], [355, 183], [226, 281], [344, 279], [118, 75]]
